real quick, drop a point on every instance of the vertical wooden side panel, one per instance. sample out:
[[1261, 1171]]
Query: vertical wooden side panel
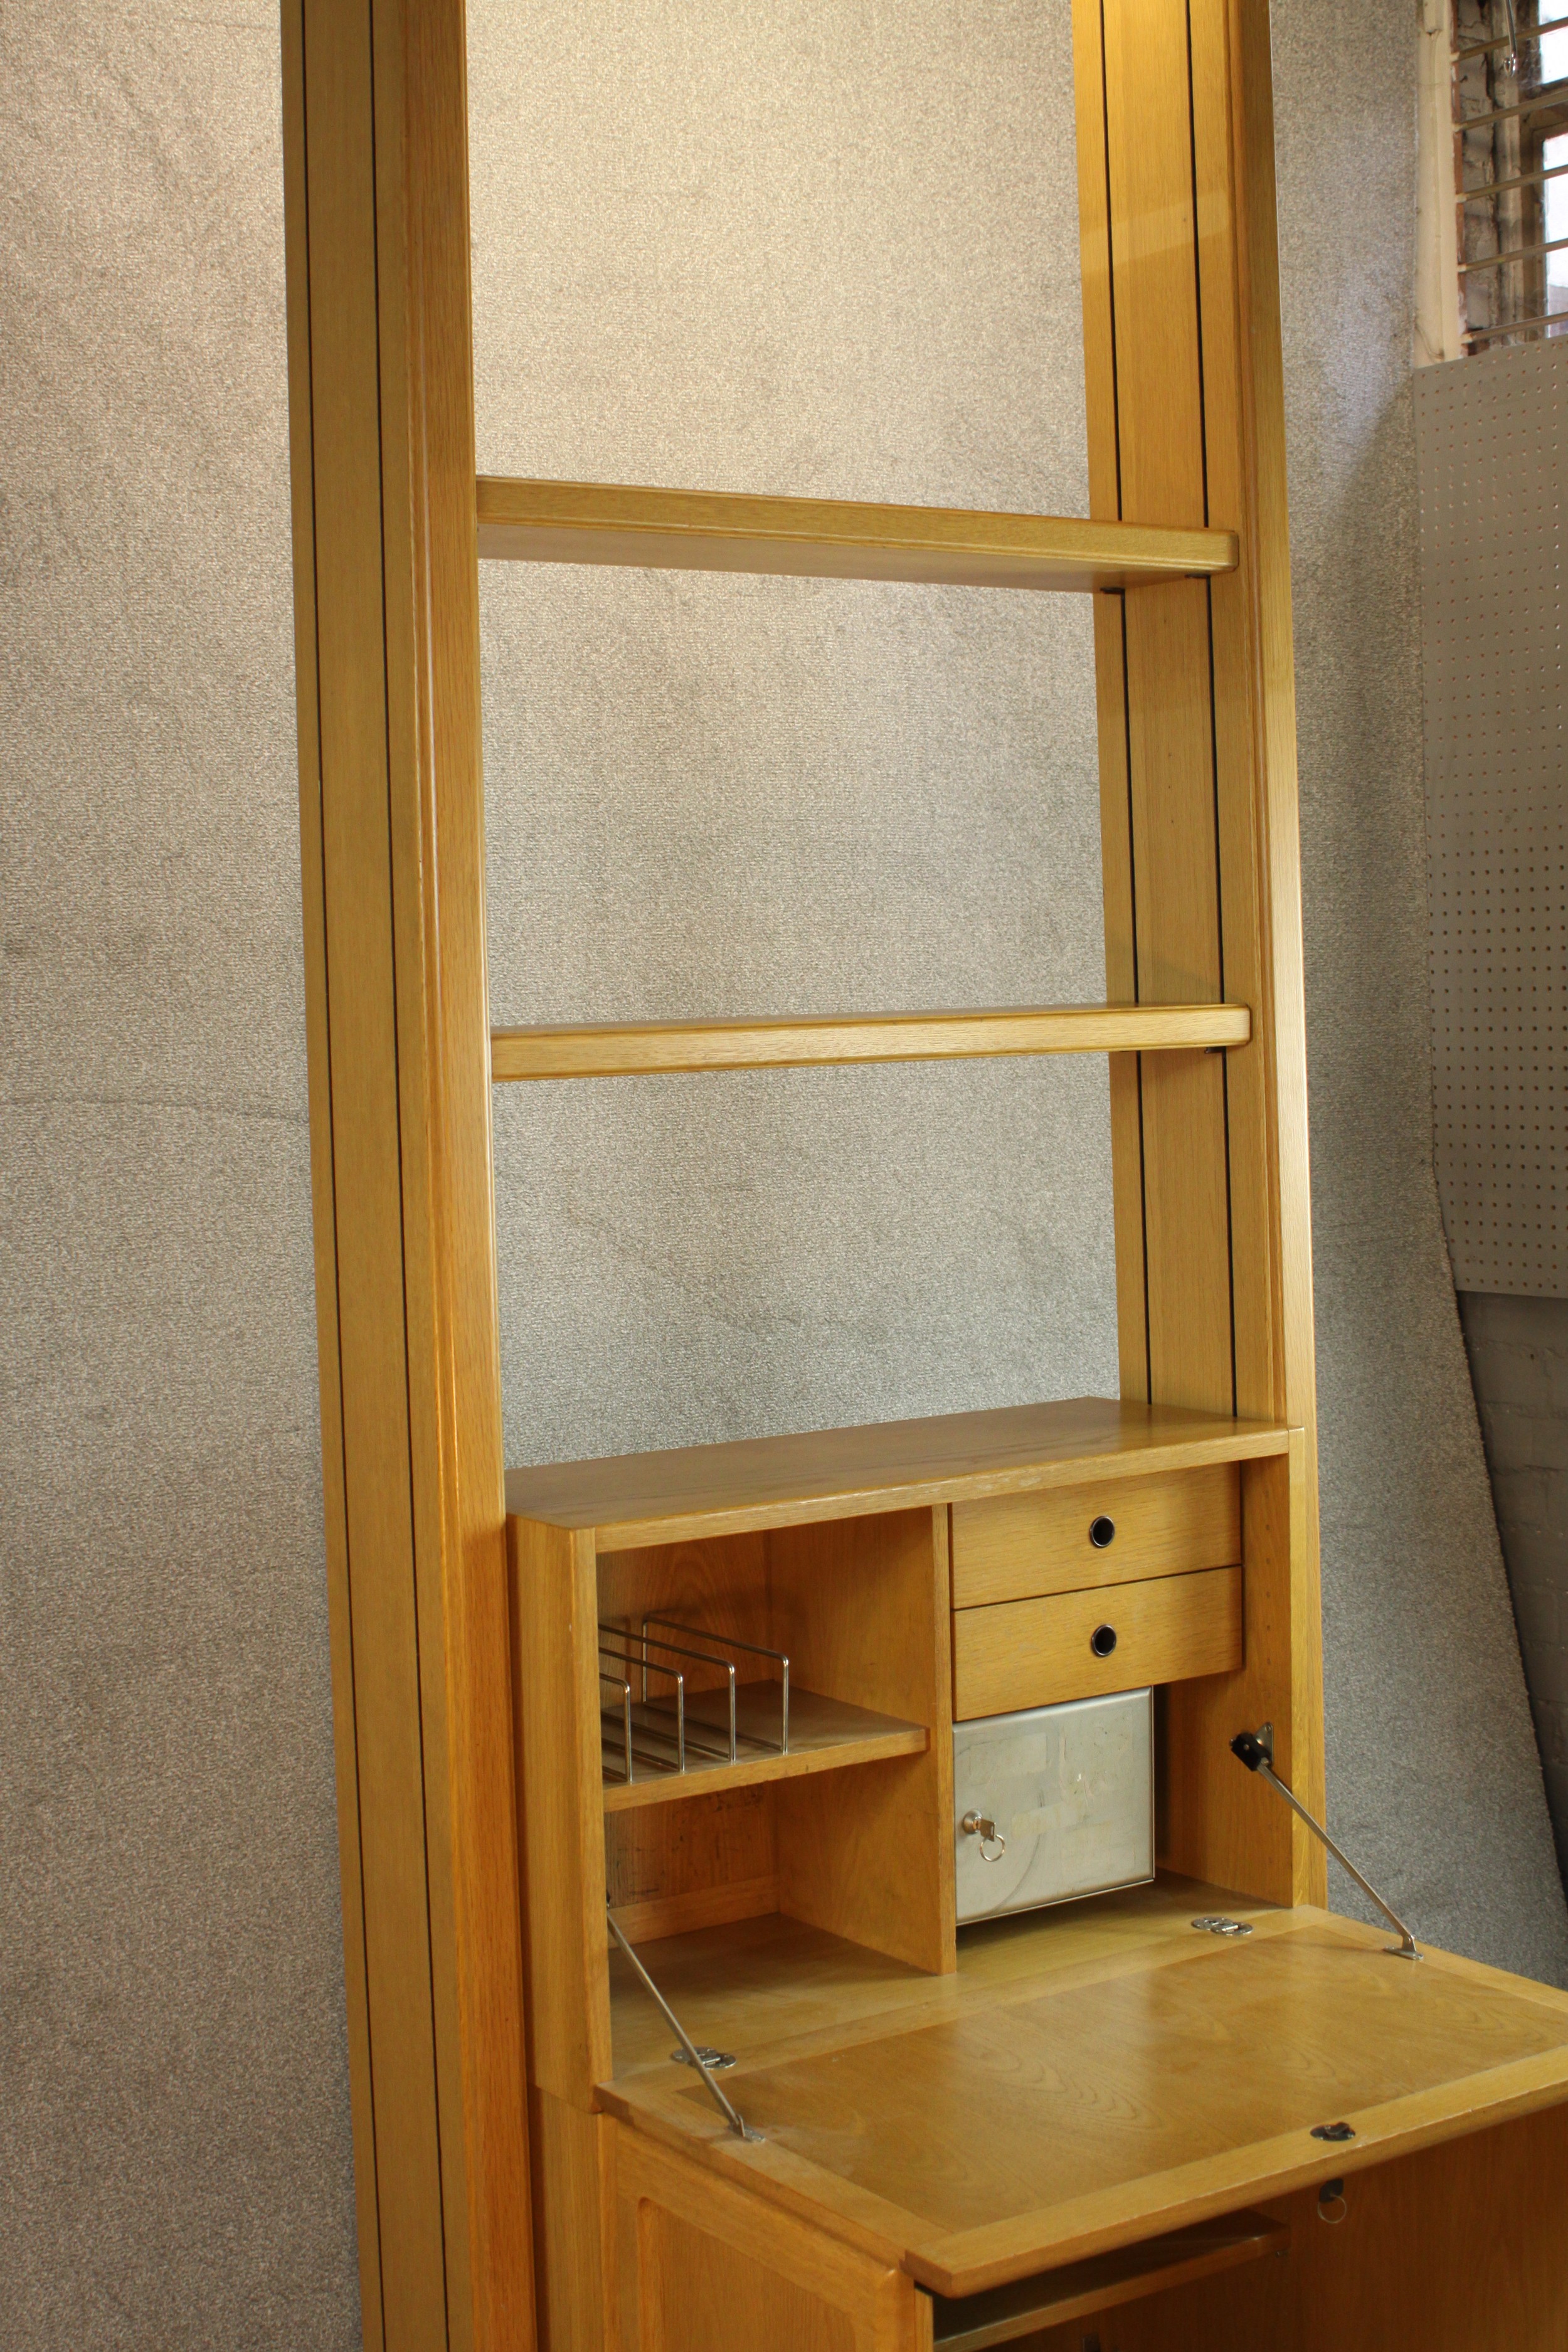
[[1187, 1190], [381, 420], [574, 2226], [1103, 244], [1237, 737], [1122, 988], [1255, 671], [1159, 423], [1223, 1824], [1233, 138], [1110, 695], [363, 1148], [449, 1213], [1158, 430], [555, 1651], [1095, 276], [1185, 410]]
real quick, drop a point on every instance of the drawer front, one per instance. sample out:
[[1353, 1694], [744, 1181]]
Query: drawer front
[[1012, 1547], [1022, 1653]]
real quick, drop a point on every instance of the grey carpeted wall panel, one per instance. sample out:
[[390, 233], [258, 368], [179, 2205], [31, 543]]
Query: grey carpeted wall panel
[[832, 253], [1519, 1361], [1434, 1780], [175, 2159], [173, 2130]]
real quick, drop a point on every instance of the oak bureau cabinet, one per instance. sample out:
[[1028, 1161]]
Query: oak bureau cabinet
[[1088, 2124]]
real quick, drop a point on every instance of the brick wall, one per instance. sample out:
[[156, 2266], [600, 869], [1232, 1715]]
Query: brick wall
[[1519, 1361]]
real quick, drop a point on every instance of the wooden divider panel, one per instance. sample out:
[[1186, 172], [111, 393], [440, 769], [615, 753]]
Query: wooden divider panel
[[862, 1606]]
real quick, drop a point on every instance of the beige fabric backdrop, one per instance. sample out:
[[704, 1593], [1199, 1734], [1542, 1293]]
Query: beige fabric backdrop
[[810, 249]]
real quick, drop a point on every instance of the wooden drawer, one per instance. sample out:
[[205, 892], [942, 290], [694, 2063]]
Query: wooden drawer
[[1014, 1546], [1034, 1653]]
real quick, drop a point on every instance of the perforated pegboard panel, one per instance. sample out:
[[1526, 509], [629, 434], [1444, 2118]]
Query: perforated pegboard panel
[[1491, 441]]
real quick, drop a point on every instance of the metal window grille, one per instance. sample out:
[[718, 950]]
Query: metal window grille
[[1510, 169]]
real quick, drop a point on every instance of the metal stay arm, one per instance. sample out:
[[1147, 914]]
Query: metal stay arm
[[1256, 1750], [732, 2116]]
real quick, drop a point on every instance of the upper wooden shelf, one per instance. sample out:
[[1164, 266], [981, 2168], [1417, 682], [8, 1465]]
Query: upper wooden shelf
[[832, 538], [631, 1500], [641, 1048]]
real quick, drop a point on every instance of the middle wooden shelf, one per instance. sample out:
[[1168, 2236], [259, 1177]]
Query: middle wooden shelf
[[825, 1735], [644, 1048]]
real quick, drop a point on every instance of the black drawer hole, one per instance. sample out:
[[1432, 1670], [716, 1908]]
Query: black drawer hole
[[1101, 1532], [1102, 1640]]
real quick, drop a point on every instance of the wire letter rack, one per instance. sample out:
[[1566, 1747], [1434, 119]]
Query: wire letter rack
[[651, 1722]]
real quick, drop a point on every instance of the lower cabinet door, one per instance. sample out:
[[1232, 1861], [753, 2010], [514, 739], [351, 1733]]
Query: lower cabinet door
[[704, 2267]]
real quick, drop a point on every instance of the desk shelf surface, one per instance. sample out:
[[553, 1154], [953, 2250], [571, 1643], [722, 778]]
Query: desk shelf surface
[[1082, 2083], [690, 1492]]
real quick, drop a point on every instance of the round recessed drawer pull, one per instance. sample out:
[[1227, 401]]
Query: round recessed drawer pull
[[1101, 1532], [1102, 1640]]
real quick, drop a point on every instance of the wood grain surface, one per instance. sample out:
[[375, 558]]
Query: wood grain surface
[[1218, 1820], [705, 2268], [574, 2222], [1055, 2117], [1012, 1547], [706, 531], [632, 1049], [560, 1807], [862, 1604], [1019, 1654], [381, 427], [826, 1734], [1457, 2248], [758, 1985], [1106, 2282], [634, 1500], [672, 1868]]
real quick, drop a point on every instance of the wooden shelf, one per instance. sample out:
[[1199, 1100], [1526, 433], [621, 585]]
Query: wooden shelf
[[976, 2323], [832, 538], [825, 1735], [760, 1983], [632, 1500], [644, 1048]]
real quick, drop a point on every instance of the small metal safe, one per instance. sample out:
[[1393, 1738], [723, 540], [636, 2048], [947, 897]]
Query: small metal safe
[[1053, 1802]]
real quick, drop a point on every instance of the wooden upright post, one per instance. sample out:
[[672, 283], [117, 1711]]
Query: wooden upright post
[[1200, 846], [386, 602]]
